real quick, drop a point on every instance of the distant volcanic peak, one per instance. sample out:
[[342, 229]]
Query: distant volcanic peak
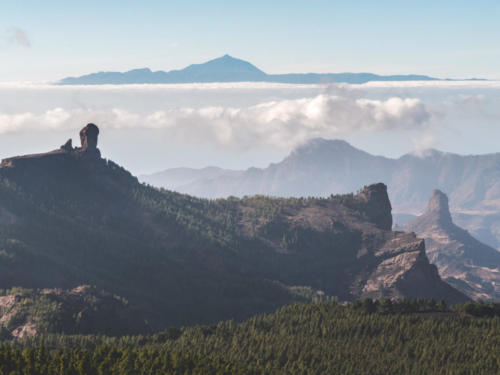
[[227, 59], [225, 64], [438, 205]]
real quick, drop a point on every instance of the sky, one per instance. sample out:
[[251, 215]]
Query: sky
[[48, 40], [148, 128]]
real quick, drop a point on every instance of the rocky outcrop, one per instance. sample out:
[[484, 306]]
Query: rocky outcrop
[[88, 138], [365, 258], [82, 310], [378, 207], [437, 213], [68, 146], [463, 261], [405, 271], [87, 151]]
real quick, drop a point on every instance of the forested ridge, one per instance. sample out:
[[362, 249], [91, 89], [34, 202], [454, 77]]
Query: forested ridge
[[69, 218], [363, 337]]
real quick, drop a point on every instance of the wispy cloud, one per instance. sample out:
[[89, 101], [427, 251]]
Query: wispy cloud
[[18, 36]]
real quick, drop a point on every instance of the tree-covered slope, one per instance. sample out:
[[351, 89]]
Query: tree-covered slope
[[367, 337], [69, 218]]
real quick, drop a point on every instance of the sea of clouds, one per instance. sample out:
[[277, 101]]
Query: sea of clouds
[[237, 125]]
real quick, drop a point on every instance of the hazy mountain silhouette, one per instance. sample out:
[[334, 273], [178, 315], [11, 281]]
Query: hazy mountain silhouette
[[322, 167], [229, 69]]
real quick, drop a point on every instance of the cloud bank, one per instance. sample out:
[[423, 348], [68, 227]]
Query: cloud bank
[[248, 124], [279, 123]]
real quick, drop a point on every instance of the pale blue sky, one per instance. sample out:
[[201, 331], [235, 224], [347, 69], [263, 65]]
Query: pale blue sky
[[47, 40]]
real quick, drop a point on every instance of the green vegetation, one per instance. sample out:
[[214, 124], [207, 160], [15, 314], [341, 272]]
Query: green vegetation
[[363, 337]]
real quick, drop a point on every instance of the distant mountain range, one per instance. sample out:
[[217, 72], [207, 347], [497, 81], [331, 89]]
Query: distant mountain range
[[229, 69], [469, 265], [322, 167]]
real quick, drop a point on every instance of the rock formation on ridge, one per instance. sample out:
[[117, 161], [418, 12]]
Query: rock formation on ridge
[[87, 151], [463, 261]]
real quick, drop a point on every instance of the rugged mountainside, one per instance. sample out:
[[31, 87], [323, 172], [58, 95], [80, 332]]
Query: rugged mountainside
[[82, 310], [69, 217], [323, 167], [463, 261], [228, 69]]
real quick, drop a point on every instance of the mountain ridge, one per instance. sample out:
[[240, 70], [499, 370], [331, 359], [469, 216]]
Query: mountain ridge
[[70, 217], [321, 167], [229, 69]]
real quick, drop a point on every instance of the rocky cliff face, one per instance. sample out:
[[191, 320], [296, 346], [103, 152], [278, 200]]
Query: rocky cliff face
[[463, 261], [364, 256], [69, 218], [378, 207]]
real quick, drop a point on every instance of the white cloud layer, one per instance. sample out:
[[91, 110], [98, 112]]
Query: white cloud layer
[[237, 125], [280, 123]]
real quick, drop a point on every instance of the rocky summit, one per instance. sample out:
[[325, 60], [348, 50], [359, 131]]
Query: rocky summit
[[70, 218], [463, 261], [88, 150]]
